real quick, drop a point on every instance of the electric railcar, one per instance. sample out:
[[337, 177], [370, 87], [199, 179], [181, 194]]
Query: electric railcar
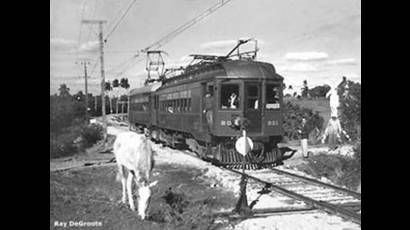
[[205, 106]]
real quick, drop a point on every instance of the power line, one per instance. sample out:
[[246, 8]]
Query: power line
[[95, 10], [81, 24], [167, 38], [121, 18], [187, 25]]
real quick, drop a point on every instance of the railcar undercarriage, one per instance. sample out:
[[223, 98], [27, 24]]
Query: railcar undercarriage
[[222, 150]]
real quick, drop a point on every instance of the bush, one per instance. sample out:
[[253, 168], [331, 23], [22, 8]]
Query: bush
[[63, 145], [319, 91], [292, 118], [180, 213], [345, 171], [350, 109], [91, 134]]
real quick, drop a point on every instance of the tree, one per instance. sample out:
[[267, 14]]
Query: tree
[[80, 96], [115, 83], [64, 90], [124, 83], [319, 91], [350, 108], [305, 90]]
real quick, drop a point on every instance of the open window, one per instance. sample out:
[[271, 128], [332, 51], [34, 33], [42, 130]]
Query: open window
[[230, 96], [252, 92], [273, 96]]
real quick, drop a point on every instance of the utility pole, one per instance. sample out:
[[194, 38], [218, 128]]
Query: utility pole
[[85, 63], [101, 39]]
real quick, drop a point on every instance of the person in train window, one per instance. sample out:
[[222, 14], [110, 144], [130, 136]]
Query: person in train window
[[233, 101], [275, 95], [256, 105]]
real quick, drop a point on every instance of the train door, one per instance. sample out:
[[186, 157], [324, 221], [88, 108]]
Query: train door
[[252, 110], [207, 105]]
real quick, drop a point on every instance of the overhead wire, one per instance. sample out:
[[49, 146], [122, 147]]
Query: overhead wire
[[168, 37], [120, 19]]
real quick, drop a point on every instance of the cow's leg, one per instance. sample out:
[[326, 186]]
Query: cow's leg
[[129, 188], [122, 178]]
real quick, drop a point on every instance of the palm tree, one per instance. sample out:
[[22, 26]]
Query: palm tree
[[115, 85], [124, 84]]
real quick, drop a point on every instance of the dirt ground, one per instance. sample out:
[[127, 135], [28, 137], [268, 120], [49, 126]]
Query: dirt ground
[[93, 194]]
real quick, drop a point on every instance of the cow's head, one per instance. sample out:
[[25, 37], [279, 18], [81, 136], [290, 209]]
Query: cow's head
[[144, 197]]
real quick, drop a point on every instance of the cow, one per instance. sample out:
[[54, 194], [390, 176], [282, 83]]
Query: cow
[[134, 154]]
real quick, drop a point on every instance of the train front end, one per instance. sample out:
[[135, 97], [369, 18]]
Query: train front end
[[249, 97]]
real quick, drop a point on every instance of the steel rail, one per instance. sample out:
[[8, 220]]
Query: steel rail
[[284, 210], [320, 183], [337, 210]]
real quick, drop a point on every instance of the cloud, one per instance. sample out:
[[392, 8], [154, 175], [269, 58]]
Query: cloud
[[226, 44], [62, 44], [218, 44], [344, 61], [185, 59], [91, 46], [306, 56], [298, 67]]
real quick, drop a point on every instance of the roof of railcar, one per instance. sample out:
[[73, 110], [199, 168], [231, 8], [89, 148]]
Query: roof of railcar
[[244, 69], [146, 89], [250, 69]]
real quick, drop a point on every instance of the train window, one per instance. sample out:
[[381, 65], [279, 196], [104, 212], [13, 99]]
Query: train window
[[210, 90], [253, 95], [230, 96], [273, 96], [170, 109], [189, 104]]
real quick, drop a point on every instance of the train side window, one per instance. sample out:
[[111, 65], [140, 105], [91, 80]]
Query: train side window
[[273, 96], [230, 96], [170, 108], [184, 104], [189, 104], [178, 102]]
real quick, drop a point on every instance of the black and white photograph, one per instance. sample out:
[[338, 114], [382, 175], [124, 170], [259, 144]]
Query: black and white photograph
[[205, 114]]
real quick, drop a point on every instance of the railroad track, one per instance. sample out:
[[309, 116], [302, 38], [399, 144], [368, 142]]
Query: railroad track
[[315, 194]]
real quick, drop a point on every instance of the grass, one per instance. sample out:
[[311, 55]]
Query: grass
[[94, 195], [74, 139], [341, 170]]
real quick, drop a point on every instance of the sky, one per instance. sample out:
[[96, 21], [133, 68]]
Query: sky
[[314, 40]]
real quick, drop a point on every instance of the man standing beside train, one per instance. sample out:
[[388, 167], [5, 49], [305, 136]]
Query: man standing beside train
[[208, 109], [304, 135]]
